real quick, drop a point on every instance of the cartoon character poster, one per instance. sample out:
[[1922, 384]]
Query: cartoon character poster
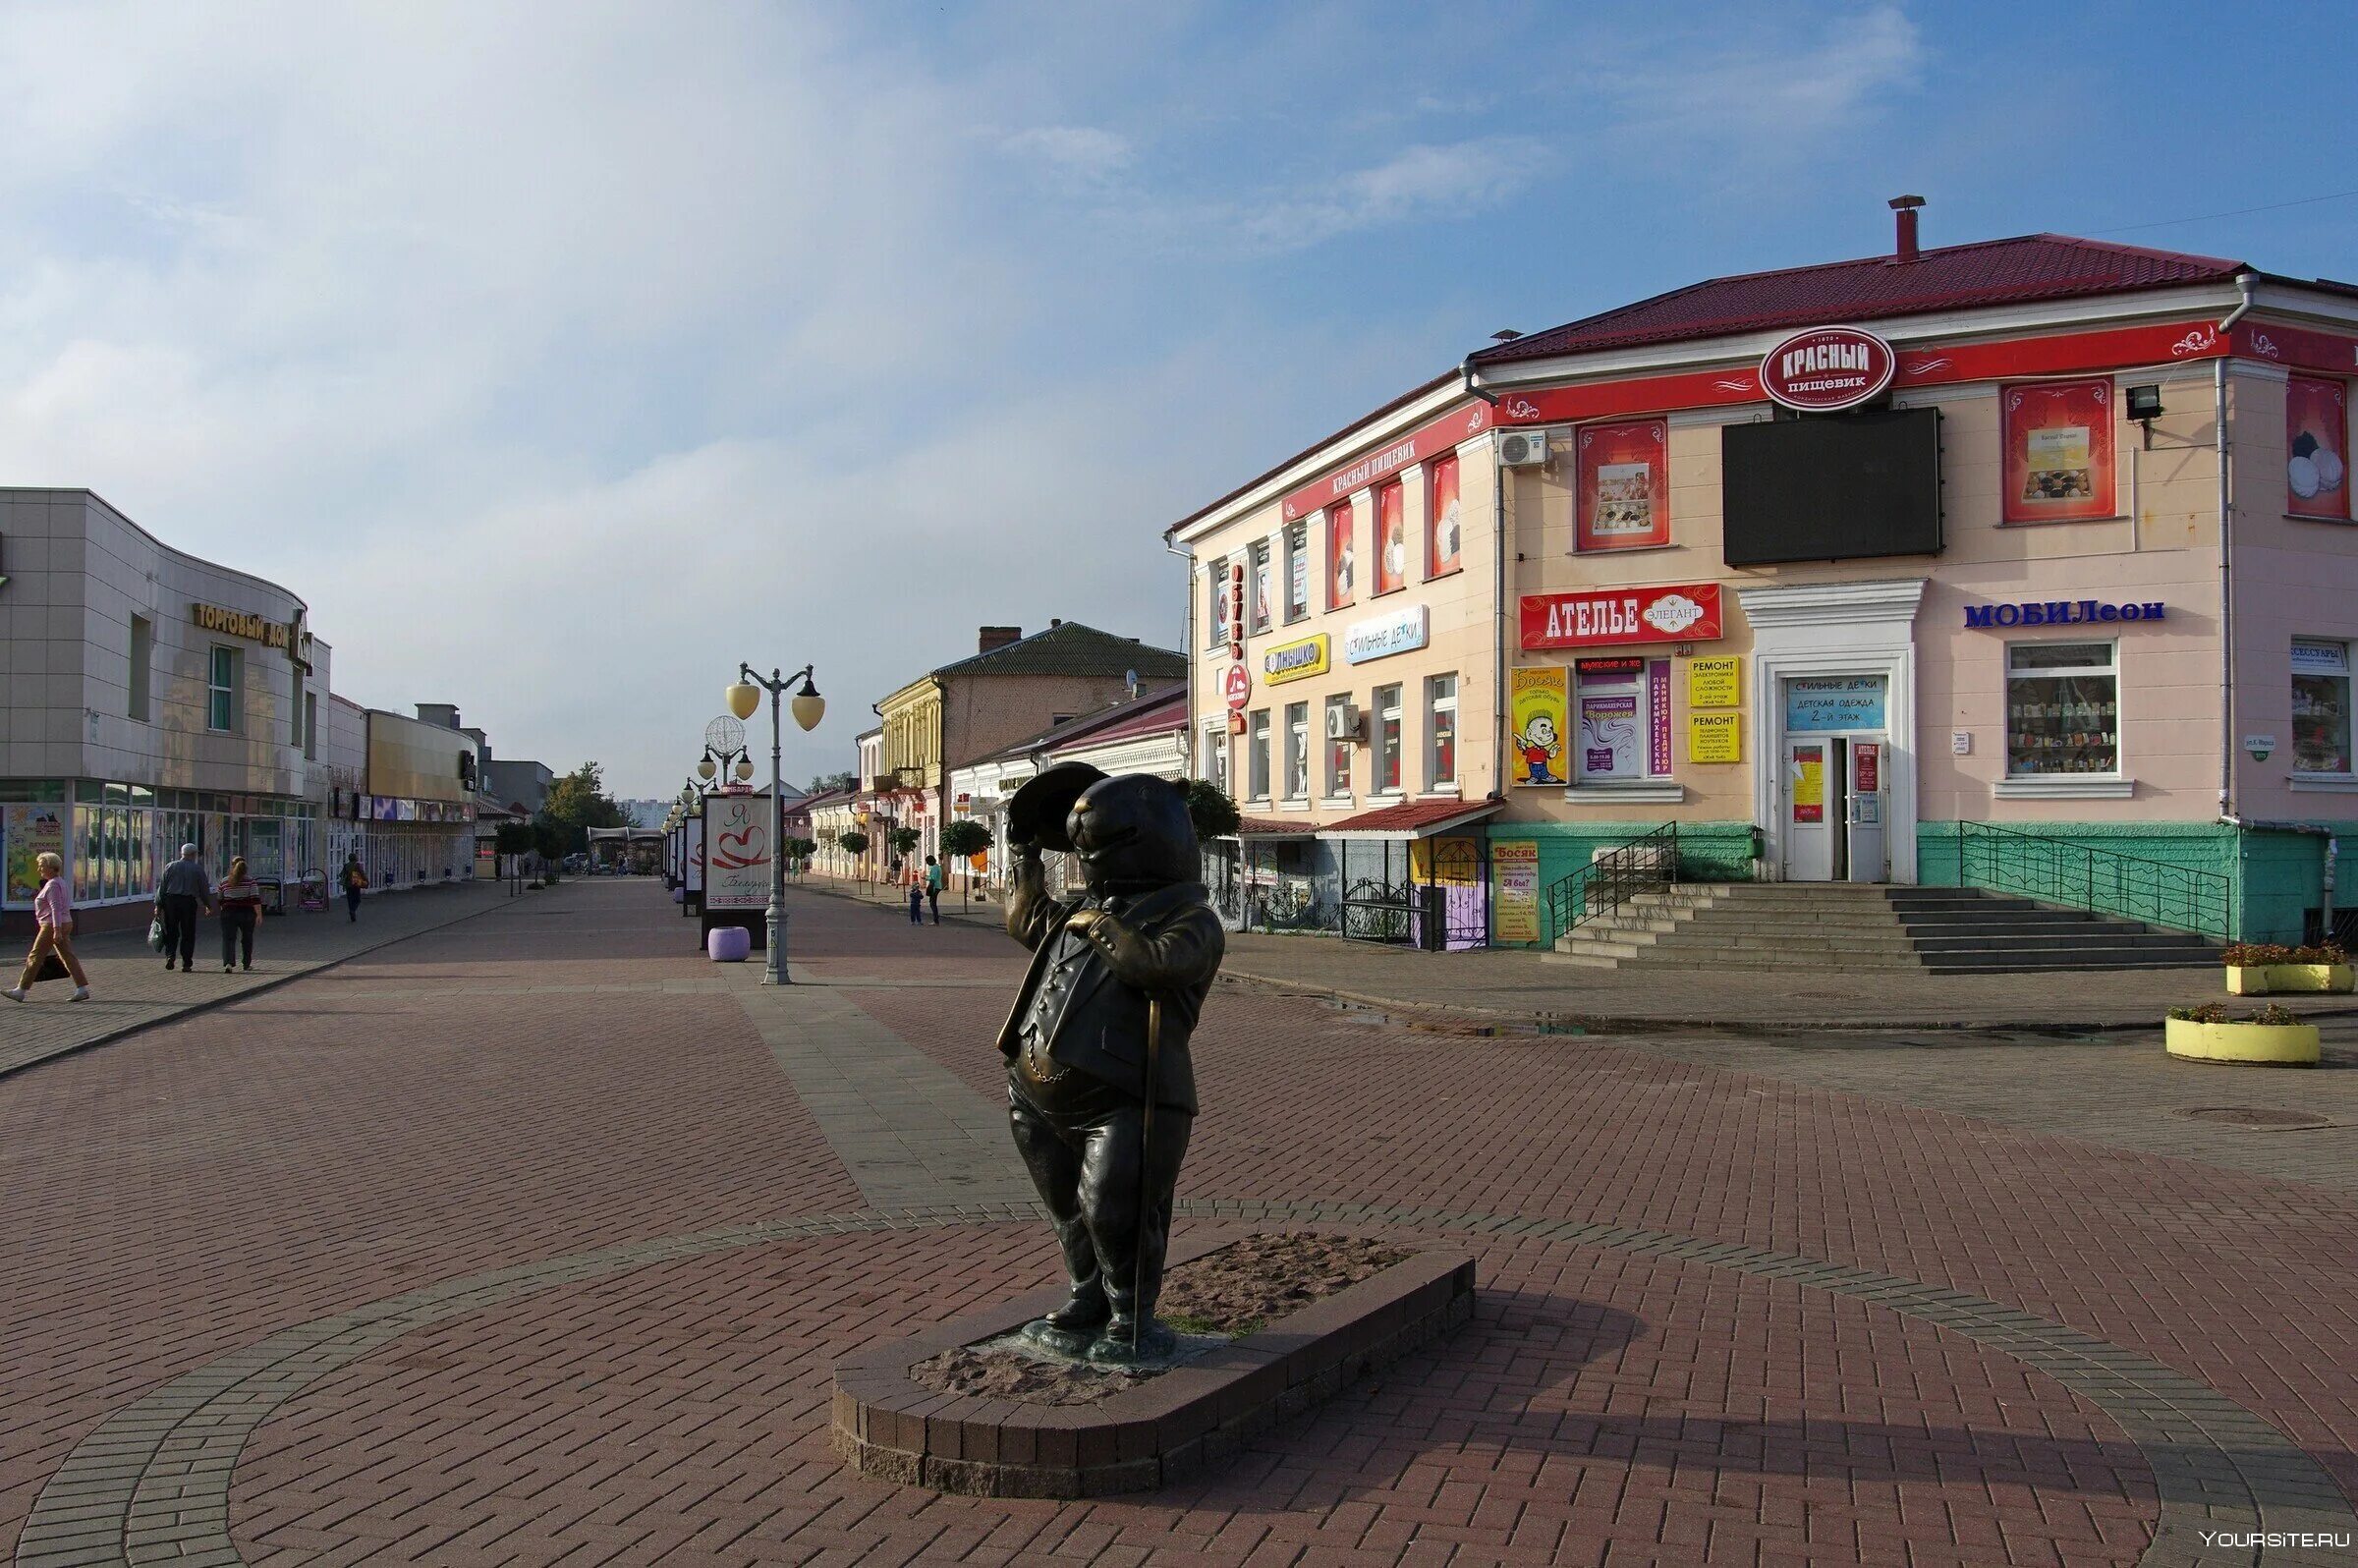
[[1341, 582], [1538, 697], [1392, 529], [2058, 451], [1623, 486], [32, 831], [1444, 530], [2316, 428]]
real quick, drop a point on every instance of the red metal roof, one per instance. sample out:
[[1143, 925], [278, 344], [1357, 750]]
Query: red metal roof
[[2031, 266], [1414, 817]]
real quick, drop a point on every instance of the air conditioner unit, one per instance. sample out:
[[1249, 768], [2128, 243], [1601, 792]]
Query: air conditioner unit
[[1342, 723], [1521, 449]]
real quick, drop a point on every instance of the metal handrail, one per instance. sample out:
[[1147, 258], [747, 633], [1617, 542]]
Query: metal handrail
[[1644, 865], [2102, 881]]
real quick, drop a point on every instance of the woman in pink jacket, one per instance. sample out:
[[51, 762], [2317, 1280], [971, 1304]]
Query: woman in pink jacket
[[53, 917]]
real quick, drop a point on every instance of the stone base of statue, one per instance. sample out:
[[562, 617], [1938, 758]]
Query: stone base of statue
[[982, 1406]]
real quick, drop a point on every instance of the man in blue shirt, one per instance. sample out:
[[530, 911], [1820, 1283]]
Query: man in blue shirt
[[181, 897]]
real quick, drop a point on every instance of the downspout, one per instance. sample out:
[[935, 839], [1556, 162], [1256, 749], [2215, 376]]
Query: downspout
[[1188, 746], [1499, 536], [2226, 567]]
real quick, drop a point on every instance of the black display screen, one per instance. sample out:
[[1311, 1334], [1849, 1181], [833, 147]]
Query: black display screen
[[1832, 488]]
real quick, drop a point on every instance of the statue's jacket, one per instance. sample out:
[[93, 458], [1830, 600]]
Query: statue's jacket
[[1164, 944]]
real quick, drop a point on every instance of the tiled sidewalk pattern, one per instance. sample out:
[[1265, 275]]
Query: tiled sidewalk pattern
[[539, 1089]]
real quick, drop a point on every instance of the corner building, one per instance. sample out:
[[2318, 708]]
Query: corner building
[[2025, 563]]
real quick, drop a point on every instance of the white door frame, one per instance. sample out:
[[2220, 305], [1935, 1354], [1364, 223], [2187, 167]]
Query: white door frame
[[1836, 629]]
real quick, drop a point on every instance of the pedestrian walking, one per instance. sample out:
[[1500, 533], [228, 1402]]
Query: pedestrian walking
[[917, 903], [351, 880], [241, 899], [933, 887], [52, 935], [184, 893]]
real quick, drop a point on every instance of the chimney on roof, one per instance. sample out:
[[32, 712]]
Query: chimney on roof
[[996, 636], [1054, 623], [1904, 207]]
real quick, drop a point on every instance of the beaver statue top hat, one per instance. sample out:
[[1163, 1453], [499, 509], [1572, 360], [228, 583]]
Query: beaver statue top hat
[[1036, 813]]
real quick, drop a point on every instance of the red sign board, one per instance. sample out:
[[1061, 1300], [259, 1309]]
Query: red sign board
[[1440, 436], [1827, 368], [1685, 612], [1237, 685], [1867, 766]]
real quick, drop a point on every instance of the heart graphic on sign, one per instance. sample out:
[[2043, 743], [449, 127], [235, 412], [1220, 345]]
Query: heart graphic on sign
[[733, 851]]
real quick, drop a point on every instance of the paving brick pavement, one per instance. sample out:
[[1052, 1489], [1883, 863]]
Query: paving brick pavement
[[130, 988], [504, 1097]]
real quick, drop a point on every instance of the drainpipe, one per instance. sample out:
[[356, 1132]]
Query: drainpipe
[[1499, 536], [1188, 766], [2227, 586]]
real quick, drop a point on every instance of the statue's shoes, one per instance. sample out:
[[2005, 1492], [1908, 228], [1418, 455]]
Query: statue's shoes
[[1049, 1334], [1114, 1346]]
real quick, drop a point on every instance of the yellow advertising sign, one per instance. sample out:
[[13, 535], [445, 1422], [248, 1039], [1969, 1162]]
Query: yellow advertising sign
[[1536, 697], [1716, 683], [1515, 889], [1292, 661], [1715, 737]]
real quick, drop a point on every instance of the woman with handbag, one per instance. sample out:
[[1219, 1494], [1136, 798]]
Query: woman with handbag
[[52, 952], [241, 900]]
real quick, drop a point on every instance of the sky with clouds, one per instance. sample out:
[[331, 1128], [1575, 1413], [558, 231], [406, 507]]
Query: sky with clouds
[[562, 356]]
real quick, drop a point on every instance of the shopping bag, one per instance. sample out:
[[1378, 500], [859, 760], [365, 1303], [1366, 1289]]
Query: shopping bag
[[52, 968], [155, 933]]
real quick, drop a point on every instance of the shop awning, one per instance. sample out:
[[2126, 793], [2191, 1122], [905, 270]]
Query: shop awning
[[1264, 829], [1411, 819]]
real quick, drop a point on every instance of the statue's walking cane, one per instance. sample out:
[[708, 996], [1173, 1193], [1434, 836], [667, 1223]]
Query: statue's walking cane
[[1146, 1178]]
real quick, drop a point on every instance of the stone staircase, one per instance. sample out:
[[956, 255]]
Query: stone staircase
[[1855, 927]]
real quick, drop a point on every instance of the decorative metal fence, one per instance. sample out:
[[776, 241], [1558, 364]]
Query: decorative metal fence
[[1616, 875], [2079, 876]]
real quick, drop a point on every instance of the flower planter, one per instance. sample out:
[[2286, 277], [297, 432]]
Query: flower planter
[[2264, 1045], [2261, 980]]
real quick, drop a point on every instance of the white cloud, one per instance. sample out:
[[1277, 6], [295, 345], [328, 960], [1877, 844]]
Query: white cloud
[[1085, 153], [1422, 182]]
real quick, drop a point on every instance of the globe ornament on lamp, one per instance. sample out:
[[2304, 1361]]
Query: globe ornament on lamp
[[744, 699]]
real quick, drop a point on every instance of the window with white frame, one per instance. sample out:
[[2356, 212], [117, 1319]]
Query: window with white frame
[[2063, 709], [1297, 751], [1256, 754], [1387, 740], [2321, 707], [1297, 571], [1215, 755], [1215, 607], [1339, 745], [221, 689], [1261, 588], [1440, 732]]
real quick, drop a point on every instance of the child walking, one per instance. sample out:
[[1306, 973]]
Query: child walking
[[53, 933]]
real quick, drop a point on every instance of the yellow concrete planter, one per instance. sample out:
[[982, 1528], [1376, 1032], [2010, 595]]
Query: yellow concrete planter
[[2261, 980], [2264, 1045]]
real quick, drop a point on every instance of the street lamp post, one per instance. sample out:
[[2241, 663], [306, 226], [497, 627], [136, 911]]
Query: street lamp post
[[809, 706]]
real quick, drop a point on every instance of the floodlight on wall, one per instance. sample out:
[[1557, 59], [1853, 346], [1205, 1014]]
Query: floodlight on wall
[[2145, 407]]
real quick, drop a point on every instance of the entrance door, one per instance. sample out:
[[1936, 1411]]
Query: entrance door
[[1863, 811], [1813, 833]]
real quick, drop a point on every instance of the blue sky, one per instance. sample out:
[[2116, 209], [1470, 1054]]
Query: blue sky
[[563, 356]]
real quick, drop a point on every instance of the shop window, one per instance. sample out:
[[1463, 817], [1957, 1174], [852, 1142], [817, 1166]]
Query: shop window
[[221, 689], [1297, 571], [1387, 740], [2321, 708], [143, 667], [1297, 751], [2063, 709], [1612, 710], [1256, 754], [1338, 747], [1440, 732], [1262, 587], [1444, 533], [1216, 605], [1341, 568], [1391, 535], [1215, 755]]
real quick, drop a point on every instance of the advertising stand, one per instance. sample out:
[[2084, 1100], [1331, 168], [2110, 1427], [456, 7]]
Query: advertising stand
[[737, 841]]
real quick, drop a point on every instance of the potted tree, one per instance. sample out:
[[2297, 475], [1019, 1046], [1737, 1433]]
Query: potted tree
[[2272, 1036], [2256, 969], [965, 839]]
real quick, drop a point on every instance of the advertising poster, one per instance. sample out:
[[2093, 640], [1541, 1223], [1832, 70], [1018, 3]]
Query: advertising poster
[[1809, 783], [31, 833], [1607, 742], [1536, 702], [2317, 439], [1832, 703], [1657, 728], [1716, 683], [2058, 451], [1515, 877], [1715, 737], [1342, 569], [1391, 534], [737, 851], [1623, 486], [1445, 531]]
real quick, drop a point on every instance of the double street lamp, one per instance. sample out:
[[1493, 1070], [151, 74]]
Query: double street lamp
[[745, 697]]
